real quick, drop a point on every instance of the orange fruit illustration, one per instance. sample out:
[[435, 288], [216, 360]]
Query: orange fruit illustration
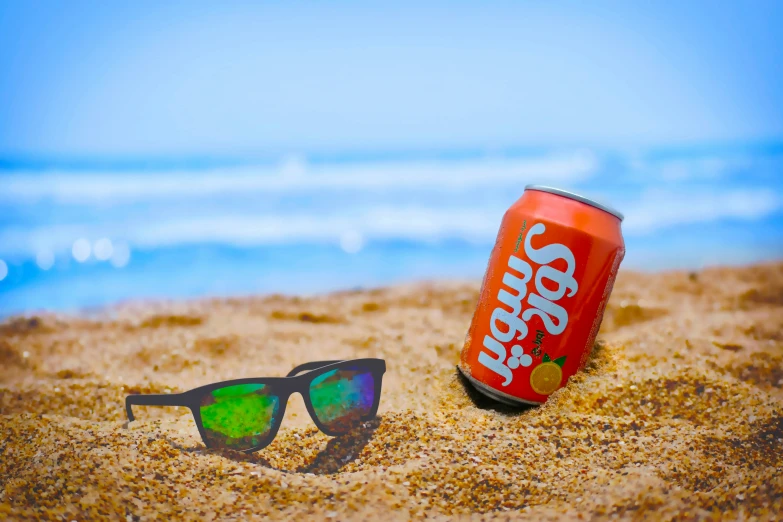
[[546, 378]]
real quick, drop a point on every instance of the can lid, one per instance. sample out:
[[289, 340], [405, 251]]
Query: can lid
[[577, 197]]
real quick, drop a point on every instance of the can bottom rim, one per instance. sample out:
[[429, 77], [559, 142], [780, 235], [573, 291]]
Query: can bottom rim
[[495, 394]]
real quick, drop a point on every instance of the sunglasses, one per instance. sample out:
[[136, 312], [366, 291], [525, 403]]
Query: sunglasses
[[245, 414]]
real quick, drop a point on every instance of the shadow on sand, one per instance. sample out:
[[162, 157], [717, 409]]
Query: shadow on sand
[[338, 452], [483, 402]]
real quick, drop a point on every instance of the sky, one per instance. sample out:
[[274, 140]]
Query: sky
[[243, 79]]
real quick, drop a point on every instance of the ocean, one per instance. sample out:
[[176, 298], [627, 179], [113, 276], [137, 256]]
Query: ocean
[[81, 234]]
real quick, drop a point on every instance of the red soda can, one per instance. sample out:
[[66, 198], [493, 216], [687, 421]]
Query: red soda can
[[543, 297]]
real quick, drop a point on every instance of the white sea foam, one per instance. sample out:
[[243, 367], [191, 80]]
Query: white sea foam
[[659, 209], [444, 175], [416, 201], [653, 211]]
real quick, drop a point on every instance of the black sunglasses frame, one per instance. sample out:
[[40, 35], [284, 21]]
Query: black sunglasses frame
[[280, 387]]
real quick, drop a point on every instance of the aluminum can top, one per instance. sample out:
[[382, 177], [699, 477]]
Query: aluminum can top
[[577, 197]]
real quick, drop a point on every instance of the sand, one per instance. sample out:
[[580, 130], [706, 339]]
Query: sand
[[679, 414]]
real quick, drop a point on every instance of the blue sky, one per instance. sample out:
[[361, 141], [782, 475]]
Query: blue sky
[[162, 79]]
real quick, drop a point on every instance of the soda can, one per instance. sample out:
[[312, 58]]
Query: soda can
[[543, 297]]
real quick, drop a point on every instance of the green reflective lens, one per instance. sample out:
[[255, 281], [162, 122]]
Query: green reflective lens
[[238, 417], [342, 398]]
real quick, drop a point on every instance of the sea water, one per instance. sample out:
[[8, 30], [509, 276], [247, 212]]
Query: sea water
[[76, 234]]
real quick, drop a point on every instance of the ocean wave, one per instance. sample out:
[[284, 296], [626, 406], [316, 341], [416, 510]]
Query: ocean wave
[[295, 177], [351, 204], [653, 211], [660, 209]]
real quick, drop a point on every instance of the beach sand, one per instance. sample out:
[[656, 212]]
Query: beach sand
[[678, 415]]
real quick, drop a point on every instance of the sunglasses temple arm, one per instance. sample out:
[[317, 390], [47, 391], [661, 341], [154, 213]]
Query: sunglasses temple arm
[[309, 366], [153, 399]]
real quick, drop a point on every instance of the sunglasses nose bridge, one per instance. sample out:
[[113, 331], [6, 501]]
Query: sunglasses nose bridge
[[298, 412]]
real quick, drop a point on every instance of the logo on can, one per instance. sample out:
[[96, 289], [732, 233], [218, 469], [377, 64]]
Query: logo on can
[[542, 303]]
